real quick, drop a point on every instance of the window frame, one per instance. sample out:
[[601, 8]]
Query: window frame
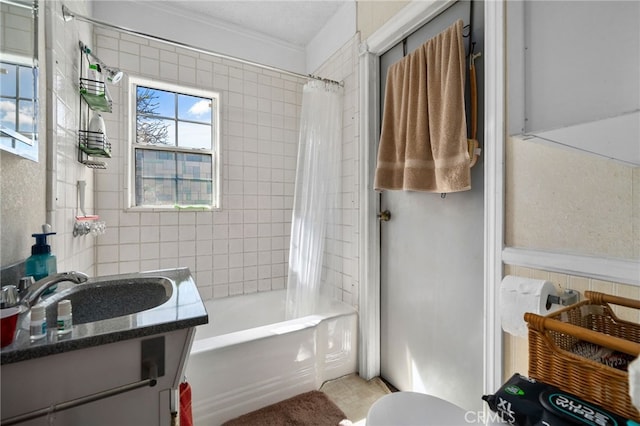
[[132, 145]]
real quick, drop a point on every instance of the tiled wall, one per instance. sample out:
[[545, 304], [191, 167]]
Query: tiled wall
[[343, 258], [63, 60], [242, 248], [516, 349]]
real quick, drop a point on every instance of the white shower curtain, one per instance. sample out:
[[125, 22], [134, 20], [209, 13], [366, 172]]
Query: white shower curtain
[[316, 200]]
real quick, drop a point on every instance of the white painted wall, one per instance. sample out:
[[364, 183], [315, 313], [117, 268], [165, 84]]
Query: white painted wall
[[585, 63], [333, 36], [220, 37], [183, 27], [572, 62], [581, 61]]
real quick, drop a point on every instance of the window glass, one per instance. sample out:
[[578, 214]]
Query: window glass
[[168, 178], [25, 116], [8, 113], [19, 107], [8, 80], [156, 102], [193, 108], [192, 135], [26, 83], [155, 131], [194, 179]]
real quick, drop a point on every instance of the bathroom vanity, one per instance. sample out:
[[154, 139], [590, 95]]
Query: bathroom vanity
[[120, 364]]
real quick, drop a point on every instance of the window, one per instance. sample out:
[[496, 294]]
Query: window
[[174, 134], [18, 109]]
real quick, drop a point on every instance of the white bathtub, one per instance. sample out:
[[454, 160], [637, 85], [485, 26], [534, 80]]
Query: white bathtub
[[248, 356]]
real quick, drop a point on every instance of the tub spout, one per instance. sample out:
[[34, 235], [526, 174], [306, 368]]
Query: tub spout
[[35, 291]]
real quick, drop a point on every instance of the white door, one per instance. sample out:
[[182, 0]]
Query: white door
[[432, 271]]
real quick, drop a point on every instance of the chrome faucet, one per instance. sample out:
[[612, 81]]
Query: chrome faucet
[[36, 289]]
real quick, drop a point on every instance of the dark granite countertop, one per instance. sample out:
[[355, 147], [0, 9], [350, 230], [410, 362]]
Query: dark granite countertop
[[183, 309]]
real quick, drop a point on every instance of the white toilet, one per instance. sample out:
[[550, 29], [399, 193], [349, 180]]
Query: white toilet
[[414, 409]]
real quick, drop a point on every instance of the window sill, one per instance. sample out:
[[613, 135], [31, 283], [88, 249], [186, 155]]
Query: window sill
[[139, 209]]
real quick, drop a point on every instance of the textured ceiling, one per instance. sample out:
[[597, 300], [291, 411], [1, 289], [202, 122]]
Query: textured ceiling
[[294, 21]]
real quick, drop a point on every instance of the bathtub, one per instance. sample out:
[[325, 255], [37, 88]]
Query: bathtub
[[248, 356]]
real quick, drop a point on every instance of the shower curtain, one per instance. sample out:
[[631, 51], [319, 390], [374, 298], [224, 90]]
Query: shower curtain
[[316, 204]]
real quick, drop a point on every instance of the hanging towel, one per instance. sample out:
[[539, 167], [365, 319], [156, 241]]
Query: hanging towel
[[634, 382], [423, 144], [186, 417]]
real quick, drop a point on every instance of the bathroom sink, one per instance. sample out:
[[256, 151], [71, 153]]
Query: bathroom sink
[[96, 301], [110, 309]]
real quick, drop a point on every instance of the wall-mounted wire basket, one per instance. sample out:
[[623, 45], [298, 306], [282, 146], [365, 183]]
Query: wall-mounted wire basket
[[95, 94], [94, 144]]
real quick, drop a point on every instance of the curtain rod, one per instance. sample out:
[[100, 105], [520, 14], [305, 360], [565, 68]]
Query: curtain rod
[[68, 15]]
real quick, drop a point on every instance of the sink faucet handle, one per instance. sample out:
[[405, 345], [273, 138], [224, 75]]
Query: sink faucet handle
[[9, 296], [24, 284], [77, 276]]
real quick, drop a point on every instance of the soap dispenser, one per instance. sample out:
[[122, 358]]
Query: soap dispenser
[[41, 263]]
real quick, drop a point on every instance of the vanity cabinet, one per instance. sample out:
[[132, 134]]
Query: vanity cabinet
[[130, 331], [46, 381]]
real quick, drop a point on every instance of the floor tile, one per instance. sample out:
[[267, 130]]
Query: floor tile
[[355, 395]]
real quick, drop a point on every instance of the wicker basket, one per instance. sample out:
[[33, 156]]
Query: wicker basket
[[551, 361]]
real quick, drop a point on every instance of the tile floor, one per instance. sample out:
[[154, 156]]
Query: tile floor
[[355, 395]]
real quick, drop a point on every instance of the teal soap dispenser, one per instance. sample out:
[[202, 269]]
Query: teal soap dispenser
[[41, 263]]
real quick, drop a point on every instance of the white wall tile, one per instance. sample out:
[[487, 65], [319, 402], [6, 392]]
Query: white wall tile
[[169, 233], [220, 291], [236, 275], [149, 234], [107, 253], [149, 251], [168, 250], [129, 252], [236, 289]]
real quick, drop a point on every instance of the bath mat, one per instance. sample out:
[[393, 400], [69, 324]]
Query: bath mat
[[308, 409]]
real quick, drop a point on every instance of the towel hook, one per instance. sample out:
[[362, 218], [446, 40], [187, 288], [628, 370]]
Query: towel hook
[[468, 29]]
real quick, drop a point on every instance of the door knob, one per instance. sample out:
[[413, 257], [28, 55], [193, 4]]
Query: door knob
[[384, 216]]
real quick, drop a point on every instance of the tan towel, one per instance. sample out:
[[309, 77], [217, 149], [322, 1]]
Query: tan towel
[[423, 144]]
